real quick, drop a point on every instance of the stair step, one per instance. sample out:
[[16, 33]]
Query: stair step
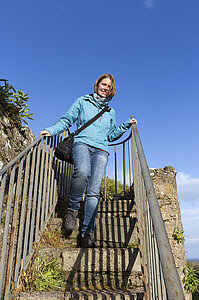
[[109, 232], [94, 259], [97, 268], [121, 231], [83, 295], [114, 207], [111, 271], [117, 207]]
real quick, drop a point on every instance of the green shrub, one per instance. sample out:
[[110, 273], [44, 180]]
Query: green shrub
[[42, 276], [191, 280], [178, 235], [110, 188], [130, 245], [15, 104]]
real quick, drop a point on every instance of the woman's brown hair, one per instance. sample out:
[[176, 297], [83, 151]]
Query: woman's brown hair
[[113, 86]]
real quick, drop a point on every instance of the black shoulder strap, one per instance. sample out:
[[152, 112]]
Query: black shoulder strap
[[107, 108]]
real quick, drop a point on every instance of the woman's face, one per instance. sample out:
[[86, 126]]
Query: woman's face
[[104, 87]]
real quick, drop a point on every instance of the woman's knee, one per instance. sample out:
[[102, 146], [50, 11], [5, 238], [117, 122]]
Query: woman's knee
[[82, 174]]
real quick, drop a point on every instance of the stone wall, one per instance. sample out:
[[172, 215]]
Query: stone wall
[[164, 180], [12, 139]]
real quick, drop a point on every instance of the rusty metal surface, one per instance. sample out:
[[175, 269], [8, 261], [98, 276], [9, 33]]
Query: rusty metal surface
[[130, 163], [41, 170], [169, 270], [13, 231], [6, 227], [115, 152], [47, 202], [34, 202], [124, 170], [36, 190], [22, 218], [2, 189], [28, 196], [44, 186], [29, 207], [19, 156]]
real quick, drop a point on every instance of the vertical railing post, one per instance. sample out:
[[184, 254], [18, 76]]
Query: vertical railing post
[[115, 172], [13, 232], [6, 228], [28, 196], [39, 195], [105, 185], [140, 218], [35, 195], [124, 170], [130, 166], [171, 276], [19, 260]]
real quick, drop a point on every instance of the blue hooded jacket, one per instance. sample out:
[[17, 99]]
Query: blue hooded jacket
[[99, 133]]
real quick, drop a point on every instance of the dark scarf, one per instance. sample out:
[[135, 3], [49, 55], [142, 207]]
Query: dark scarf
[[101, 102]]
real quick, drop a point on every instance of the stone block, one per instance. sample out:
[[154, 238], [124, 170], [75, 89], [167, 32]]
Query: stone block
[[101, 260]]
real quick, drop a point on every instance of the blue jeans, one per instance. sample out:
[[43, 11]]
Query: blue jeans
[[89, 167]]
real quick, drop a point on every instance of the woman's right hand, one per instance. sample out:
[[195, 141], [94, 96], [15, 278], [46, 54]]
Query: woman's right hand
[[45, 132]]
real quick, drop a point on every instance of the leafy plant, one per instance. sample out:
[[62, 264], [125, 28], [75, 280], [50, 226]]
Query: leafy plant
[[191, 280], [3, 221], [110, 188], [52, 238], [130, 245], [15, 104], [42, 276], [178, 235]]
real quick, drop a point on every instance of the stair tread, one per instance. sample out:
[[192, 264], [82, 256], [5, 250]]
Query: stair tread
[[86, 249], [108, 219], [112, 233], [115, 263], [88, 259], [84, 294], [119, 207]]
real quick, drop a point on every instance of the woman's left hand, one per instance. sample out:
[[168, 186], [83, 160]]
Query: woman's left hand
[[133, 121]]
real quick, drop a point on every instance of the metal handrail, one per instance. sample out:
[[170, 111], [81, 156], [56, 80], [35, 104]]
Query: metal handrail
[[124, 164], [153, 233], [122, 142], [19, 156], [30, 186], [160, 273], [29, 190]]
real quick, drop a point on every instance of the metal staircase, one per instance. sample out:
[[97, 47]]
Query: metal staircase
[[113, 266], [133, 248]]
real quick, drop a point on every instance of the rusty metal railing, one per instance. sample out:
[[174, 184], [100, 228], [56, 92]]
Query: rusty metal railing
[[126, 154], [160, 275], [29, 188]]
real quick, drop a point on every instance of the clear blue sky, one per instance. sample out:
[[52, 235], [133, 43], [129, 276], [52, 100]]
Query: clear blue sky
[[55, 50]]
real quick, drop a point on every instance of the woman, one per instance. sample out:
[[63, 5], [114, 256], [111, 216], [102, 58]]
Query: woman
[[90, 152]]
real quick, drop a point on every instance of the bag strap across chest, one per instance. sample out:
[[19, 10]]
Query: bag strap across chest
[[76, 132]]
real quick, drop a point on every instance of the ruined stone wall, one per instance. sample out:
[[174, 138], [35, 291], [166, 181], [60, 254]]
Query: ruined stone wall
[[12, 139], [164, 180]]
